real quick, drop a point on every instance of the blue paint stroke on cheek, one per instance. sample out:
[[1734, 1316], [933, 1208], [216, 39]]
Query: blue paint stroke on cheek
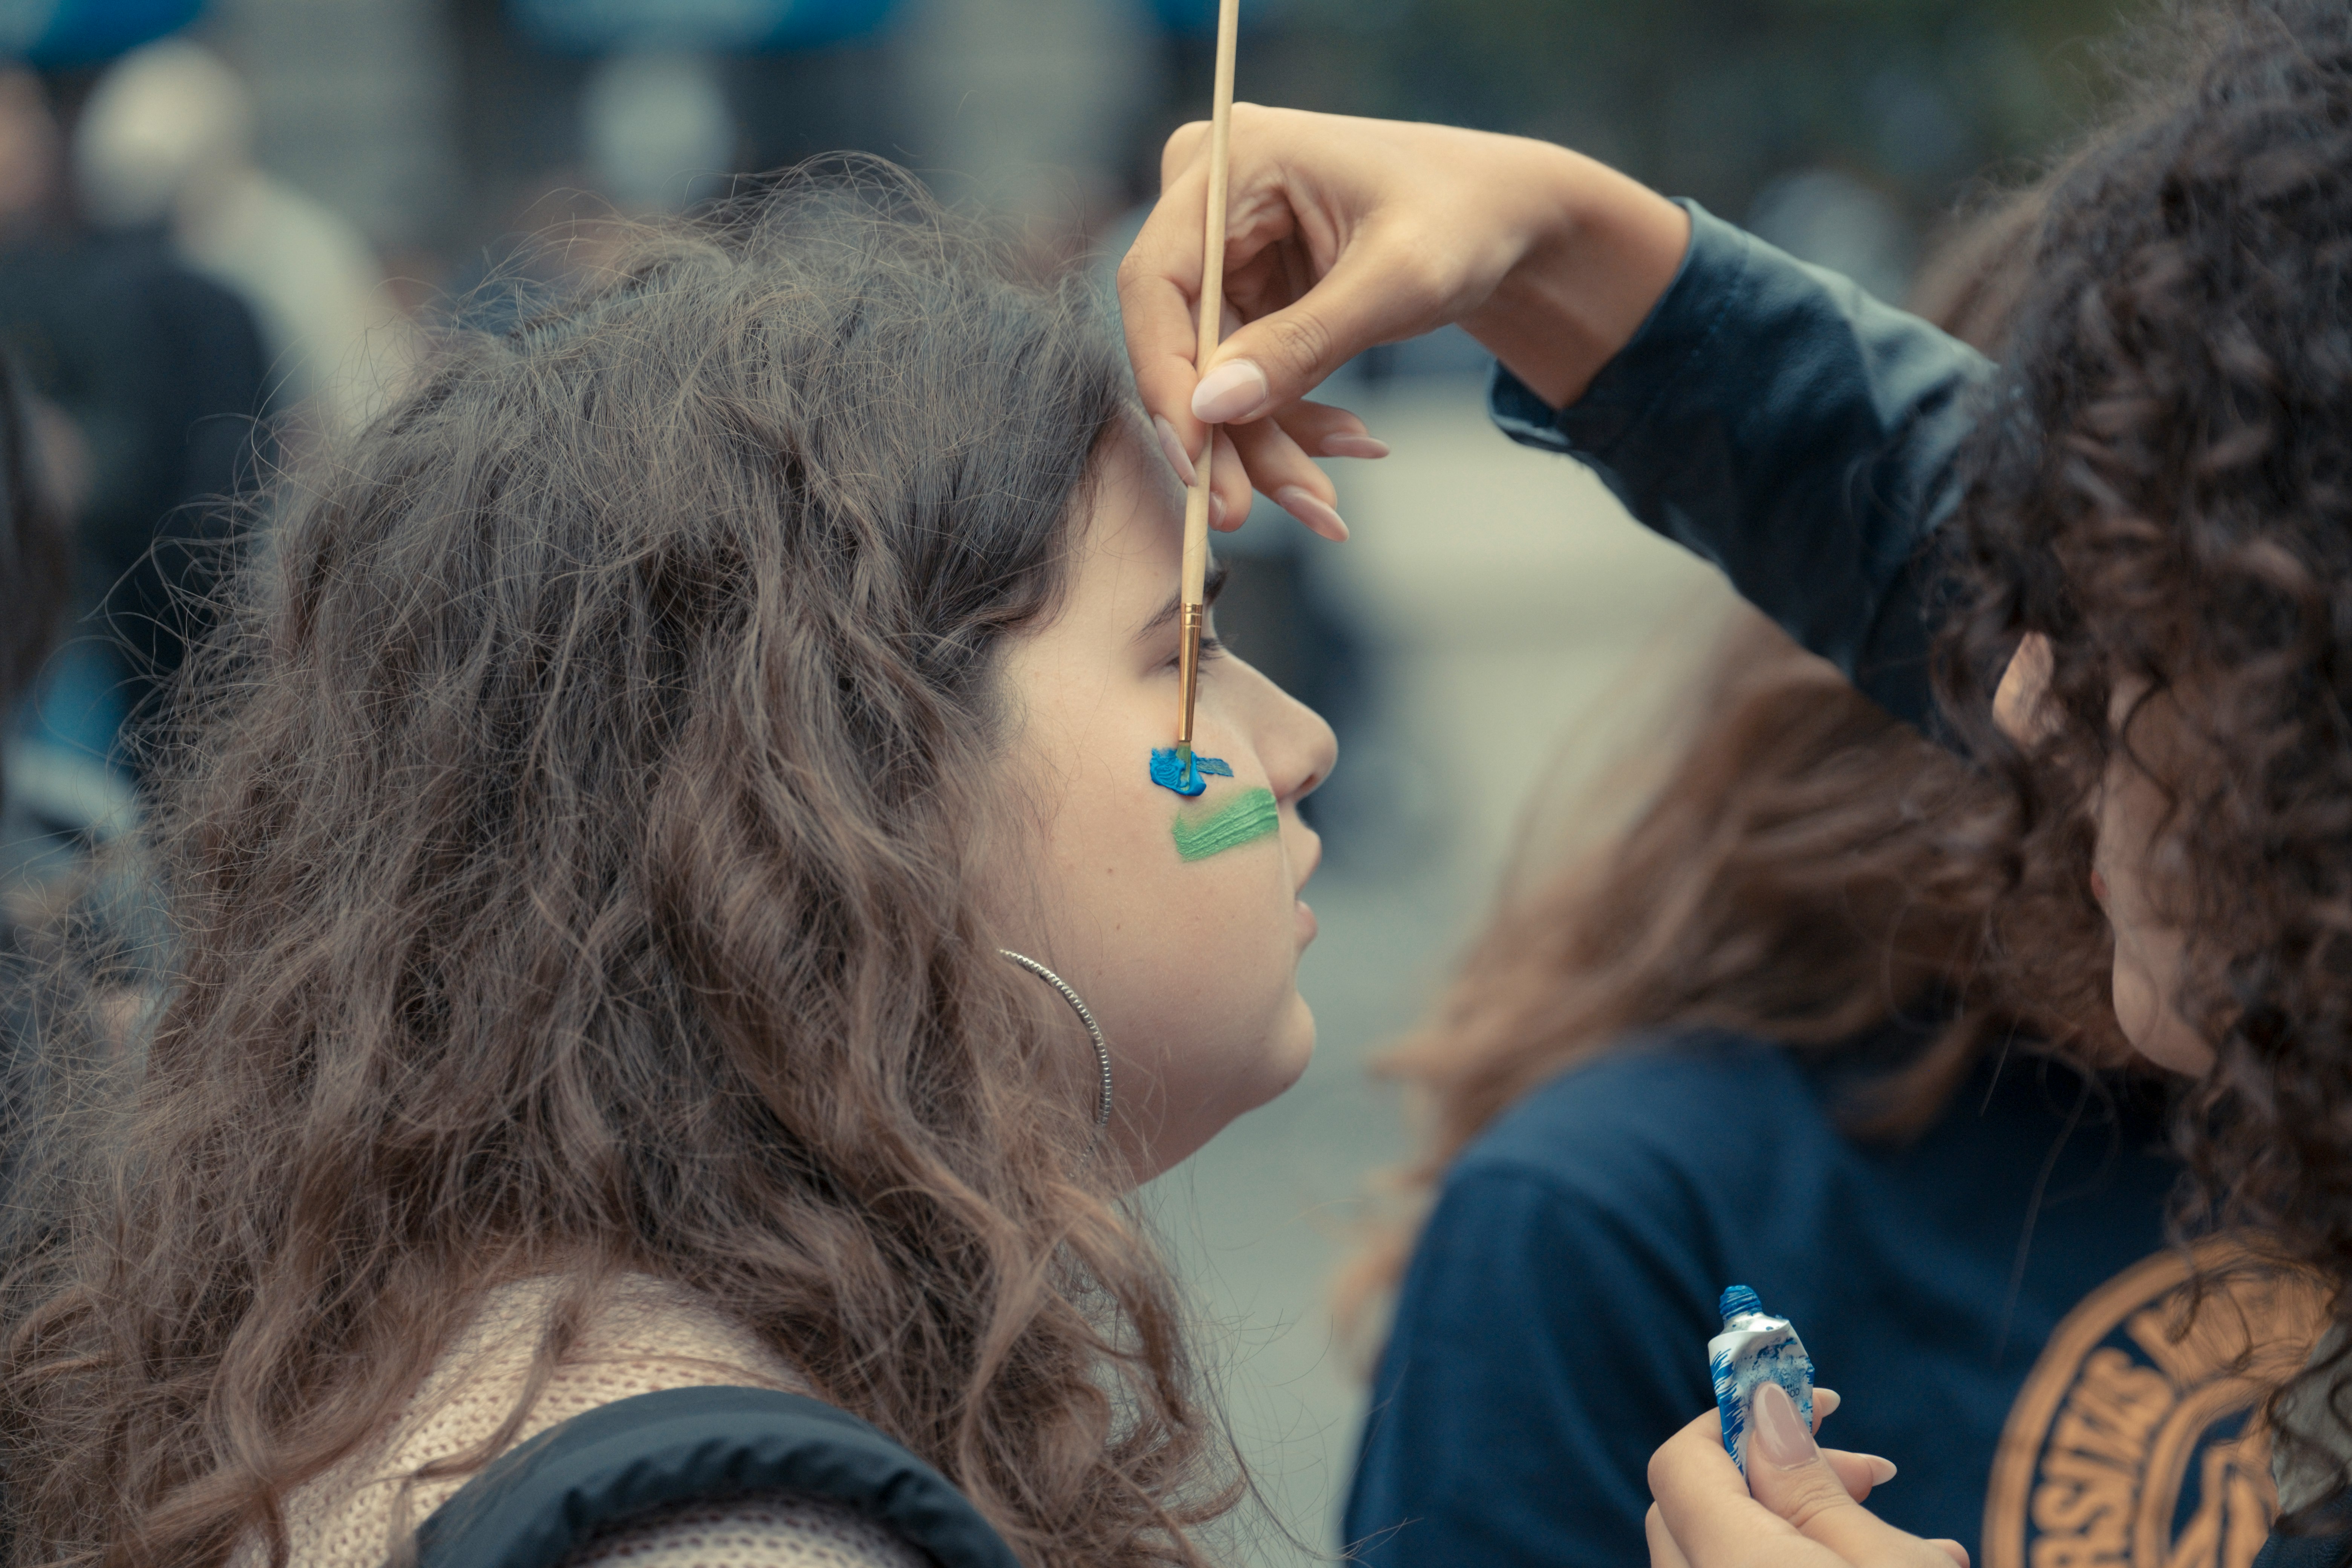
[[1168, 771]]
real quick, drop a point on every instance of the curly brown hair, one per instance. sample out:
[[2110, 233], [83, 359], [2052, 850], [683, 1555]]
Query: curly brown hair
[[573, 855], [2163, 486]]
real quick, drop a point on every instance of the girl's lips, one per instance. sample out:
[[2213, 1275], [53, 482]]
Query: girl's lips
[[1308, 928]]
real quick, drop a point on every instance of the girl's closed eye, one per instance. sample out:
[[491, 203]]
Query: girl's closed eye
[[1212, 646]]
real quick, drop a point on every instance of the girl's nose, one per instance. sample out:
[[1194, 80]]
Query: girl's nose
[[1296, 746]]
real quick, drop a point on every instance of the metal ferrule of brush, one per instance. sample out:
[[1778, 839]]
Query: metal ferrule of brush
[[1187, 672]]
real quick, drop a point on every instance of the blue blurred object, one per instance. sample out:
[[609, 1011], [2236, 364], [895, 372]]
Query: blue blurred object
[[61, 33], [594, 26], [1198, 18], [77, 707]]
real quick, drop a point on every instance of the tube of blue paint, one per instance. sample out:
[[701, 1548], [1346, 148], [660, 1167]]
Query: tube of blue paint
[[1755, 1348]]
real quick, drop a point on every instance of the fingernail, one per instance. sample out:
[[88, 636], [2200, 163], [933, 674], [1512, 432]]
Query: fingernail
[[1825, 1403], [1308, 508], [1881, 1471], [1782, 1437], [1178, 458], [1354, 447], [1216, 509], [1235, 390]]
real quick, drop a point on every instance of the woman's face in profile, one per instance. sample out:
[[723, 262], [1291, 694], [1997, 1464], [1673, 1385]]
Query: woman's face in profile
[[2134, 856], [1186, 952]]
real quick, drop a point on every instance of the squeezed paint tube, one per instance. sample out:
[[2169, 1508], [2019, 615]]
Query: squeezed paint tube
[[1249, 815], [1169, 771], [1755, 1348]]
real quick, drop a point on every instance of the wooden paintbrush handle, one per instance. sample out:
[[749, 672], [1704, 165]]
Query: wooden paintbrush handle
[[1191, 587], [1212, 288]]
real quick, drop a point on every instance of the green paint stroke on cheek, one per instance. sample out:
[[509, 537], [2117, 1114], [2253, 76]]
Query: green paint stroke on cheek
[[1252, 815]]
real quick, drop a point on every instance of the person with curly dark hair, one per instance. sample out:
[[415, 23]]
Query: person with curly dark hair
[[1756, 1037], [2139, 536]]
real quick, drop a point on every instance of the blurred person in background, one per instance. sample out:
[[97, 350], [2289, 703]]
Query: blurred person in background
[[658, 129], [165, 144], [34, 570], [152, 379], [1756, 1040], [54, 809], [658, 134]]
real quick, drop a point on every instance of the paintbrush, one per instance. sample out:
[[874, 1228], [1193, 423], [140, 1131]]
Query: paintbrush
[[1191, 588]]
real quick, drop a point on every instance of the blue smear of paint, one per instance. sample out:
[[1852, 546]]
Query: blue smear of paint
[[1168, 771]]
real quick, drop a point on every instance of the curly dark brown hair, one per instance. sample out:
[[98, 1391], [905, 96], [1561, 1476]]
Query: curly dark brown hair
[[2163, 487], [573, 860]]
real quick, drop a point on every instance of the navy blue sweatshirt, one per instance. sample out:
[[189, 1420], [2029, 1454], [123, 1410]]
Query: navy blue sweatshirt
[[1551, 1330]]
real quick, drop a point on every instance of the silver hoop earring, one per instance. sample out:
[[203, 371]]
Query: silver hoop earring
[[1093, 1030]]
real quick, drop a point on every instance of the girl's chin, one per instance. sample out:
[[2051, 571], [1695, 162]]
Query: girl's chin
[[1297, 1043]]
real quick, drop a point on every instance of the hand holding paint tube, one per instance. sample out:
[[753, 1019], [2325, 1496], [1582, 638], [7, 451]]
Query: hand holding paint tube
[[1765, 1409], [1755, 1348]]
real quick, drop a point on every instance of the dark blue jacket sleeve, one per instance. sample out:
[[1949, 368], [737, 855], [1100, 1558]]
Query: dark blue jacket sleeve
[[1782, 424], [1514, 1414]]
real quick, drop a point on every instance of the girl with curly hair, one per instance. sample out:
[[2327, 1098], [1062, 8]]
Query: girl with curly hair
[[619, 830], [2136, 531]]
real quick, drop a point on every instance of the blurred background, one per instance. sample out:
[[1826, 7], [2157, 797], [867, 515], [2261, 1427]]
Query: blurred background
[[219, 221]]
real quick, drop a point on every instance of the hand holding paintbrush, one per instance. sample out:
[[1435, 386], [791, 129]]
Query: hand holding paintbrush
[[1347, 233]]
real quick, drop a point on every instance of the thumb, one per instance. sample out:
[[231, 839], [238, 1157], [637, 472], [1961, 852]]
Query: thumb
[[1282, 356], [1790, 1475], [1787, 1471]]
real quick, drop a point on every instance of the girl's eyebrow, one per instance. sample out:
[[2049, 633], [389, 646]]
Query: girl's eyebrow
[[1210, 586]]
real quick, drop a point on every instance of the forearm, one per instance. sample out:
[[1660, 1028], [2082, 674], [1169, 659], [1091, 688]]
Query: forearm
[[1801, 436], [1604, 248]]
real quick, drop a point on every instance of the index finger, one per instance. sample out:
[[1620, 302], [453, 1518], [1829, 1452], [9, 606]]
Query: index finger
[[1157, 282], [1182, 150]]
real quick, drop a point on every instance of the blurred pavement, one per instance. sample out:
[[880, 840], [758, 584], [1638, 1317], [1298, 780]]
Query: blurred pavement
[[1528, 629]]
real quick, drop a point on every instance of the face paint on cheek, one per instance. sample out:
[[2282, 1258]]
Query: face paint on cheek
[[1248, 817], [1169, 771]]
